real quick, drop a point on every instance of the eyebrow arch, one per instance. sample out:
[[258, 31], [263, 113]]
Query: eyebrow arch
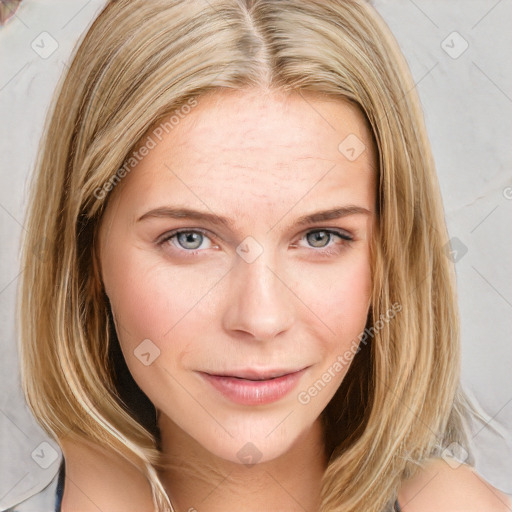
[[188, 213]]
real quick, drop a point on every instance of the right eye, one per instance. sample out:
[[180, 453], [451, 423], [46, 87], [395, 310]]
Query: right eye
[[186, 240]]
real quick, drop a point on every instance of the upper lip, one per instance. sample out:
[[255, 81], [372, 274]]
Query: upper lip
[[254, 374]]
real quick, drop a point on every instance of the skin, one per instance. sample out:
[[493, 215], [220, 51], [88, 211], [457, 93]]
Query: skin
[[447, 485], [262, 160], [98, 480]]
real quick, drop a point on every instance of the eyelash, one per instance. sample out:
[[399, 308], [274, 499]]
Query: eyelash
[[346, 240]]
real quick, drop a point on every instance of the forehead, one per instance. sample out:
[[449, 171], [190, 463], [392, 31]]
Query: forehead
[[243, 120], [254, 148]]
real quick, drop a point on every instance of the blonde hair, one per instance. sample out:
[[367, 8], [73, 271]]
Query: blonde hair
[[400, 403]]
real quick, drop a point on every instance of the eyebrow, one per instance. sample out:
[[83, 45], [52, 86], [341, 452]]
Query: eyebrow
[[188, 213]]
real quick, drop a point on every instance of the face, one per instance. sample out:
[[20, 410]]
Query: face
[[238, 278]]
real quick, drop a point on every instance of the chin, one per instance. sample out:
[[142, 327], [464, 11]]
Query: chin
[[255, 441]]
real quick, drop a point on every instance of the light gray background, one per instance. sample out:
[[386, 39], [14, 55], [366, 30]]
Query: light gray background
[[467, 101]]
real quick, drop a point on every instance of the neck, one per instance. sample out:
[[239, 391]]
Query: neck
[[197, 480]]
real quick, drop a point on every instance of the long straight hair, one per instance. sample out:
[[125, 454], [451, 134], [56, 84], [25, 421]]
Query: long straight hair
[[400, 403]]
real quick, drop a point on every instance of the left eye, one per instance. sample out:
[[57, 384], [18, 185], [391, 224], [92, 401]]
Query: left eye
[[321, 238], [192, 240]]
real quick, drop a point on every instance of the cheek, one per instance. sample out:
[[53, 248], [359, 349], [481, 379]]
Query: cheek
[[153, 300], [343, 303], [342, 298], [134, 294], [150, 302], [339, 295], [354, 295]]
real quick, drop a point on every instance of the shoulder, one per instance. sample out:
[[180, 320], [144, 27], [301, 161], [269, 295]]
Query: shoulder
[[453, 487], [97, 479]]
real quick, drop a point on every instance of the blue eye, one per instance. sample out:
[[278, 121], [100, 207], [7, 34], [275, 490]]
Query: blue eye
[[191, 240], [321, 238], [190, 237]]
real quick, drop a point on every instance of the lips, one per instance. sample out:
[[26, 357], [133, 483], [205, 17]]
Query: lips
[[251, 374], [254, 387]]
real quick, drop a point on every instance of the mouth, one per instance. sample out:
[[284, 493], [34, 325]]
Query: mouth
[[257, 375], [255, 387]]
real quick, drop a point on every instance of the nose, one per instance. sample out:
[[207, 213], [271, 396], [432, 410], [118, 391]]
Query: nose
[[258, 301]]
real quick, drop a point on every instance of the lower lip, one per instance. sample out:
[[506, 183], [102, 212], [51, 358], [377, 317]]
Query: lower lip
[[254, 392]]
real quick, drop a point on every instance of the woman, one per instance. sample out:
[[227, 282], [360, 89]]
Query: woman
[[244, 299]]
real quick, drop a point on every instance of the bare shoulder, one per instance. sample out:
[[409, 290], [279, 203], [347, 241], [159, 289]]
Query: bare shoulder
[[100, 480], [451, 488]]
